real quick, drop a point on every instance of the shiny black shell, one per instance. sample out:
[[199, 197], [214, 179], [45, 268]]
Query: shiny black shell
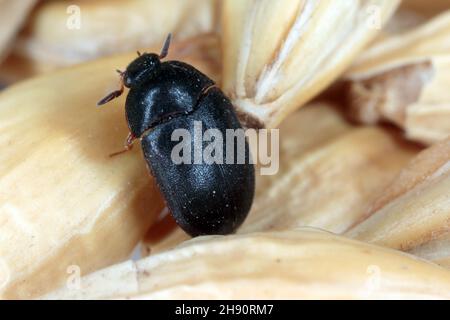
[[203, 198]]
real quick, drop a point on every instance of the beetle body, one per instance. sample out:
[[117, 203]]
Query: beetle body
[[204, 198]]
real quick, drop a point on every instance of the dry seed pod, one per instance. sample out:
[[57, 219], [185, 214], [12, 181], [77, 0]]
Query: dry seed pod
[[280, 54], [316, 184], [63, 200], [414, 213], [404, 79], [12, 16], [68, 31], [298, 264]]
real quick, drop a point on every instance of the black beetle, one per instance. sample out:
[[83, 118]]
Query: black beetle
[[203, 198]]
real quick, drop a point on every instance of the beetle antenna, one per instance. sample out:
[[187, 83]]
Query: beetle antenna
[[165, 49], [138, 53], [115, 94]]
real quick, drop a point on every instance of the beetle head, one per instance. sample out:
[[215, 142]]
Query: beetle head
[[144, 67]]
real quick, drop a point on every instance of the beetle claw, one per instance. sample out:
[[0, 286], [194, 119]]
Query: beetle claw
[[128, 146], [118, 153]]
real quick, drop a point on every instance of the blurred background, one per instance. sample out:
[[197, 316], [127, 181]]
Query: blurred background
[[38, 36], [41, 36]]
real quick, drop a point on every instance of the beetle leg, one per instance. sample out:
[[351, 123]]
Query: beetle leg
[[114, 94], [128, 145]]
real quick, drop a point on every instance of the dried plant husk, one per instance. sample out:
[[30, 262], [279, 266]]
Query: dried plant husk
[[63, 200], [403, 79], [413, 214], [280, 54], [330, 171], [12, 15], [52, 38], [296, 264]]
